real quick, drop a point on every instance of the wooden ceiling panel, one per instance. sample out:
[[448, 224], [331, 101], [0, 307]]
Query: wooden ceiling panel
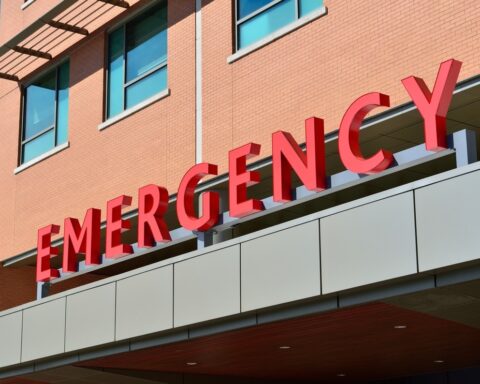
[[360, 342]]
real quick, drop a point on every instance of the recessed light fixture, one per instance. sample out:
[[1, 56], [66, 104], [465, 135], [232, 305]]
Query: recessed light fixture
[[438, 361], [192, 363], [285, 347], [400, 326], [341, 374]]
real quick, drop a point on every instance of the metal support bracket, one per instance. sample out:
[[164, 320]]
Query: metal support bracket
[[68, 27], [43, 289], [7, 76], [32, 52], [118, 3], [204, 239], [465, 145]]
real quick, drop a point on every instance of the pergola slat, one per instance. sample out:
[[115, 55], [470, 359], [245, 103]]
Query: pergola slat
[[68, 27], [6, 76], [22, 42], [118, 3], [33, 52]]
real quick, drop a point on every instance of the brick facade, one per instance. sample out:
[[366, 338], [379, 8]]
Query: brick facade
[[318, 69]]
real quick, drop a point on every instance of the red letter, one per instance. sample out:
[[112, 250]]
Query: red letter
[[210, 200], [152, 205], [349, 135], [433, 106], [82, 239], [44, 252], [115, 226], [287, 156], [240, 179]]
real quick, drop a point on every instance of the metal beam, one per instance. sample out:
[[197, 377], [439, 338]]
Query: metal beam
[[6, 76], [118, 3], [68, 27], [32, 52]]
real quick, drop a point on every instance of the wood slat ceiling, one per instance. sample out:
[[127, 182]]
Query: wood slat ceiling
[[360, 342]]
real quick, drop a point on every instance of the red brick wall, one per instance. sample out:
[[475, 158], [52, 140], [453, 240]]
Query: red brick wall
[[154, 145], [17, 286], [319, 69]]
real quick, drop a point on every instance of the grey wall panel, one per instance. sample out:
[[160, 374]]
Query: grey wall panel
[[90, 317], [10, 339], [448, 224], [281, 267], [368, 244], [43, 330], [145, 303], [207, 287]]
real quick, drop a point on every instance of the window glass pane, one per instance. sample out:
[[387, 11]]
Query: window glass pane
[[115, 72], [246, 7], [307, 6], [147, 87], [38, 146], [40, 105], [267, 22], [146, 43], [62, 113]]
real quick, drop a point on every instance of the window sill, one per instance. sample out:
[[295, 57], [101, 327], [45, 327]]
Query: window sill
[[277, 34], [133, 110], [27, 4], [40, 158]]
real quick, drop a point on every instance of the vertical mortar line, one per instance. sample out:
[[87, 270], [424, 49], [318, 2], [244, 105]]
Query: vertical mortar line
[[65, 328], [198, 82], [240, 271], [173, 296], [21, 338], [415, 228], [115, 286], [320, 254]]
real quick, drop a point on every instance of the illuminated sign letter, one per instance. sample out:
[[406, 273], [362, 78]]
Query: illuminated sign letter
[[114, 247], [433, 106], [240, 179], [152, 205], [44, 253], [82, 239], [349, 136], [288, 156], [185, 200]]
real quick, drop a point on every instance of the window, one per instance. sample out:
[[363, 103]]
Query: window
[[257, 19], [45, 119], [137, 60], [26, 3]]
